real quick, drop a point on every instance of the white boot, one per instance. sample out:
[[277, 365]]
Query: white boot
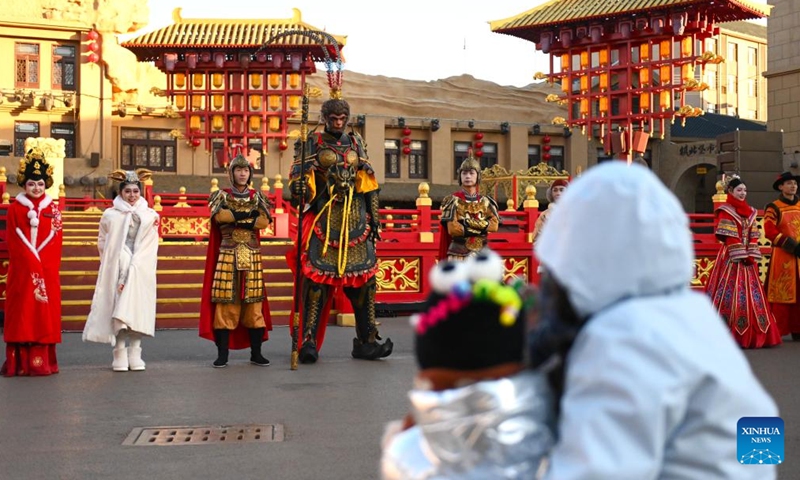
[[120, 363], [135, 353]]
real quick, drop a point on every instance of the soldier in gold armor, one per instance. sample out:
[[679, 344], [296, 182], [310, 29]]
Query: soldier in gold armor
[[340, 228], [467, 216], [782, 228], [234, 310]]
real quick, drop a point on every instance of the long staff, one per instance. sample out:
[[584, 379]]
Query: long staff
[[298, 273], [333, 66]]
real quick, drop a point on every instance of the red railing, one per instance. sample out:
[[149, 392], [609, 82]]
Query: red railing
[[409, 246]]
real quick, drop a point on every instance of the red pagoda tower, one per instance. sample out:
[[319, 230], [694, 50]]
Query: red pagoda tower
[[227, 82], [624, 66]]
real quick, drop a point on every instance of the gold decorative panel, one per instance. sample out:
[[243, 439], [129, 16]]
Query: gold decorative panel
[[186, 226], [398, 275], [516, 267]]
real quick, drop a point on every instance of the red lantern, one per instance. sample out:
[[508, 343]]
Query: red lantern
[[478, 144], [93, 57], [546, 148], [479, 136], [283, 145], [94, 47], [93, 35], [406, 131], [546, 139], [406, 150], [406, 141], [546, 157], [479, 153], [196, 142]]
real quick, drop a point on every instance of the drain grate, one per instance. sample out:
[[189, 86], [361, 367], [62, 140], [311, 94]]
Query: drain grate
[[201, 435]]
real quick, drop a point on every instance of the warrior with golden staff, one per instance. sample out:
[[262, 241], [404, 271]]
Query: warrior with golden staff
[[467, 216], [333, 181]]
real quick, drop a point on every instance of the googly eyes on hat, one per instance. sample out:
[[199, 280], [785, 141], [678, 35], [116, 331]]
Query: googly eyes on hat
[[486, 265], [447, 274]]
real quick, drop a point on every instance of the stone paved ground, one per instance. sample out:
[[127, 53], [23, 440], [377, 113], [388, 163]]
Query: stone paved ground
[[72, 425]]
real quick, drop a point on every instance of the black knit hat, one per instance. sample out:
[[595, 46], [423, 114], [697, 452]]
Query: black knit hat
[[479, 323]]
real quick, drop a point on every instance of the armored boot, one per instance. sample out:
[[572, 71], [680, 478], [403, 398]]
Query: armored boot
[[315, 295], [366, 345], [256, 336], [221, 337]]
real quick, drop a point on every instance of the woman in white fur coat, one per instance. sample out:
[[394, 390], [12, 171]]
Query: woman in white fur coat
[[124, 302]]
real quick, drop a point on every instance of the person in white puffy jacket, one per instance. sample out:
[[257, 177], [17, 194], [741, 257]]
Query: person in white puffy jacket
[[652, 383]]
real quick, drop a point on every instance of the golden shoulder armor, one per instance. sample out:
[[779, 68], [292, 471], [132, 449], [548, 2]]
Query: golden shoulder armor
[[352, 158], [327, 157]]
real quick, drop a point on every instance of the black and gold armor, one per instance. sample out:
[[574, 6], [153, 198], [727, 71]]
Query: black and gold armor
[[341, 195], [239, 252]]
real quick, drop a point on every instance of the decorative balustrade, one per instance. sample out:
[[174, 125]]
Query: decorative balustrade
[[409, 246]]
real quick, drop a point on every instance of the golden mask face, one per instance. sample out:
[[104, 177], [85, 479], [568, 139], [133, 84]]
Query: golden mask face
[[327, 157]]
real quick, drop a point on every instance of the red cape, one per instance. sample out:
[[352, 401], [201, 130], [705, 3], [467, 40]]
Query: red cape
[[240, 337]]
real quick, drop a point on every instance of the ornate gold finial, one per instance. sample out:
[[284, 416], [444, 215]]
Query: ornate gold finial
[[510, 205], [423, 200], [720, 196], [3, 178], [6, 198], [214, 185], [181, 203], [530, 198], [62, 191], [278, 181], [157, 203], [423, 189], [265, 185]]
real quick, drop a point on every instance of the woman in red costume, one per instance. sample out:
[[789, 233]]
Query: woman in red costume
[[33, 305], [734, 285]]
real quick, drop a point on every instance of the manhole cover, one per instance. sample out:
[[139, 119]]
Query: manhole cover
[[201, 435]]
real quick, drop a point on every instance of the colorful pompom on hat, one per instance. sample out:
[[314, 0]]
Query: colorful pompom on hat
[[472, 320]]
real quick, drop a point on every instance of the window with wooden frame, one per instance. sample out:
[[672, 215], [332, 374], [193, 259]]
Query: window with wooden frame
[[26, 68], [418, 159], [64, 70], [145, 148], [23, 130], [391, 149], [65, 131], [460, 153], [489, 157], [534, 155]]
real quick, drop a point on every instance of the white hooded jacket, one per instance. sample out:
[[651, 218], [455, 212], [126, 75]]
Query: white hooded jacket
[[655, 385]]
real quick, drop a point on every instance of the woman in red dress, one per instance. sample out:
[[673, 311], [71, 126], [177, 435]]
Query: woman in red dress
[[734, 285], [33, 295]]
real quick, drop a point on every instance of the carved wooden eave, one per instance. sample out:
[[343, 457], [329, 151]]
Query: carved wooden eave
[[230, 35], [556, 15]]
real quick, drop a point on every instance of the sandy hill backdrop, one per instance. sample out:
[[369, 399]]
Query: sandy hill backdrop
[[460, 98]]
